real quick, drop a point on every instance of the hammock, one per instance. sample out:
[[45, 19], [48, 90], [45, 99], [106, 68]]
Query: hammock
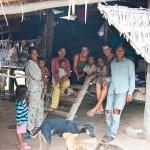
[[133, 23]]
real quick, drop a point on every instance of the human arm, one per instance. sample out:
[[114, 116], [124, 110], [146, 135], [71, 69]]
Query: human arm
[[131, 68], [75, 61], [68, 70], [47, 71], [54, 70]]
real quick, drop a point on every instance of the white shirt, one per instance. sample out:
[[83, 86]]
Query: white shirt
[[61, 72], [103, 72], [89, 70]]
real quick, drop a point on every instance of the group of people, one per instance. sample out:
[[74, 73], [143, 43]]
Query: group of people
[[114, 76]]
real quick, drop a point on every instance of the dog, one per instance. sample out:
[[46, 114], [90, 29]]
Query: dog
[[78, 145], [60, 126], [102, 146]]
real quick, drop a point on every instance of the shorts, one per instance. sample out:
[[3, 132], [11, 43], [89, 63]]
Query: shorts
[[21, 128], [99, 80]]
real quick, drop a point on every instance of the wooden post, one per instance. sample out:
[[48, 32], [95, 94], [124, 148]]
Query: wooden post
[[50, 24], [147, 106], [11, 81], [80, 97], [106, 27]]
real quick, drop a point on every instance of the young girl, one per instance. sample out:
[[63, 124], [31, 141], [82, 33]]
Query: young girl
[[21, 115], [45, 74]]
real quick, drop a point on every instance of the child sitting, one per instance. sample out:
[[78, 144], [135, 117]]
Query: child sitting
[[45, 74], [21, 115], [62, 73], [90, 69], [102, 69]]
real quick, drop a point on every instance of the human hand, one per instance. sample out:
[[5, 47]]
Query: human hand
[[104, 83], [78, 78], [63, 79], [129, 98]]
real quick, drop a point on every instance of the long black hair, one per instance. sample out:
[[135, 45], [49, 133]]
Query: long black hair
[[21, 92]]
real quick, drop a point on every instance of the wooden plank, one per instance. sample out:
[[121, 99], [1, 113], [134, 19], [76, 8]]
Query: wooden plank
[[57, 112], [80, 97], [13, 9], [137, 95], [77, 87], [68, 98]]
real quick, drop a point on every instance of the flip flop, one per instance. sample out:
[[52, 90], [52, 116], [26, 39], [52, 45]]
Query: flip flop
[[25, 147], [90, 113], [99, 112], [24, 144]]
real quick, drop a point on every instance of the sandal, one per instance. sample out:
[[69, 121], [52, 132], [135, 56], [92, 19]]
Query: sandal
[[90, 113], [24, 144], [99, 112], [25, 147]]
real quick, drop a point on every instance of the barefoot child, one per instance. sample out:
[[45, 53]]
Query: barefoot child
[[45, 74], [102, 72], [61, 70], [21, 115], [90, 69]]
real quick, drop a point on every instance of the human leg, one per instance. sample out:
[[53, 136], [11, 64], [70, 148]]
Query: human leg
[[65, 85], [31, 112], [21, 129], [39, 111], [55, 96], [119, 103]]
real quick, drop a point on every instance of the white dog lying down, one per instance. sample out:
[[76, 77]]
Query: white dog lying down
[[78, 145]]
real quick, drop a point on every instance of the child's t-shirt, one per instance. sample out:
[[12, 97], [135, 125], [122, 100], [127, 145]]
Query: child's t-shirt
[[21, 112], [89, 70], [61, 72], [103, 72]]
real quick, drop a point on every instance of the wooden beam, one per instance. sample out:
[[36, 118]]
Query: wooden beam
[[147, 106], [50, 24], [80, 97], [32, 7]]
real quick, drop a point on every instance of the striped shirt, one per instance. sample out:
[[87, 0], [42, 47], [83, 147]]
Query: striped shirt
[[21, 112]]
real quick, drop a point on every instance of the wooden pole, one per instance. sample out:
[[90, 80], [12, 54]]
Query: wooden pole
[[11, 81], [13, 9], [147, 103], [106, 27], [80, 97], [147, 106], [50, 24]]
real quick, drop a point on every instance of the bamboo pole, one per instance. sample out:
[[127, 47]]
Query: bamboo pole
[[80, 97], [13, 9]]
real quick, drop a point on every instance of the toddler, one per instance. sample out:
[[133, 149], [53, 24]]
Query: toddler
[[21, 115], [45, 74]]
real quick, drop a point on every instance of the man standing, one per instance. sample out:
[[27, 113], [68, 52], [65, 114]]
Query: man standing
[[60, 85], [120, 90]]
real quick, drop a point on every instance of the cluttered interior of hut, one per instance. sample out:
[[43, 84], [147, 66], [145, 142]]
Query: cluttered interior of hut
[[50, 31]]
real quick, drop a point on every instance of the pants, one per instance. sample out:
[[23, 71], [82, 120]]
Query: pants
[[74, 79], [114, 101], [36, 110], [58, 88]]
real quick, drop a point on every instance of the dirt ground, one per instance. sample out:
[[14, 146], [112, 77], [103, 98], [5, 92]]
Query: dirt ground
[[132, 116]]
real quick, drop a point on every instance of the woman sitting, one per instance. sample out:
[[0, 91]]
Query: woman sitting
[[79, 63]]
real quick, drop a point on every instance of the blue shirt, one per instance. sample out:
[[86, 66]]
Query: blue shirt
[[123, 77], [21, 112]]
